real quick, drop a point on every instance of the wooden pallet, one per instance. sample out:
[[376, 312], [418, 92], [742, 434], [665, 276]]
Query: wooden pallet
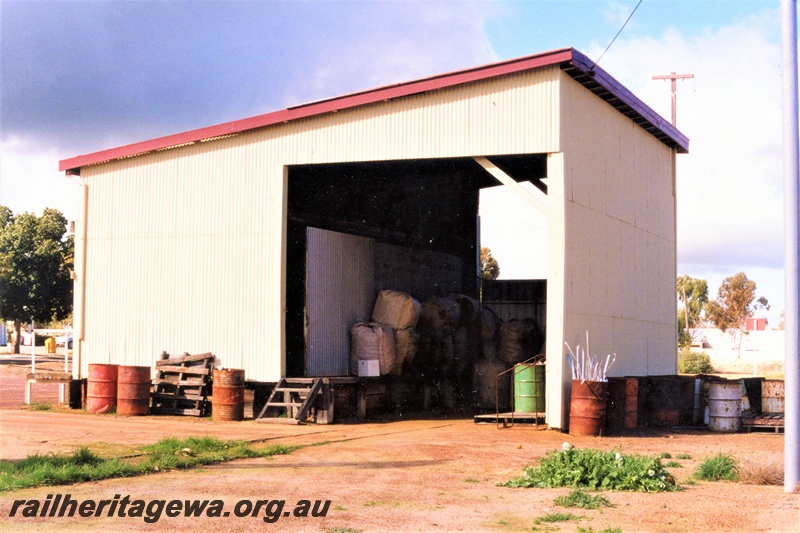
[[764, 420], [182, 385], [298, 400]]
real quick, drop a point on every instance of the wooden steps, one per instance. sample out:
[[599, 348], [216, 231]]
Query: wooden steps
[[298, 400]]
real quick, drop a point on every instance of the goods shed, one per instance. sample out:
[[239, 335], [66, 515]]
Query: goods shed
[[263, 240]]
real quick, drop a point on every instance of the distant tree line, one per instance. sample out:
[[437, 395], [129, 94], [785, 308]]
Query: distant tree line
[[736, 302]]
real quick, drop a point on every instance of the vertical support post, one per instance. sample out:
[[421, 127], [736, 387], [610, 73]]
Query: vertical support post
[[791, 242], [558, 379], [33, 348]]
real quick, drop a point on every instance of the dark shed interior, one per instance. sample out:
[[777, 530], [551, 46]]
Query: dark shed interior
[[417, 206]]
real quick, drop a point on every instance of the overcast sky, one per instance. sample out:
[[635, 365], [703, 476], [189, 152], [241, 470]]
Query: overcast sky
[[78, 77]]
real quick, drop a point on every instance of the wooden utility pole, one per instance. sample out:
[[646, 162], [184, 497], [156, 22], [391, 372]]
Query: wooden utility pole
[[674, 88]]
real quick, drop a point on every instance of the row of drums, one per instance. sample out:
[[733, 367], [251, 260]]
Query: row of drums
[[127, 389]]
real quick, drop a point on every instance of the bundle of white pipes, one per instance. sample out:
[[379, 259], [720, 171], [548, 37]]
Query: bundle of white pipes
[[586, 367]]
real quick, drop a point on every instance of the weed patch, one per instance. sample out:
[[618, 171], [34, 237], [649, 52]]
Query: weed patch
[[597, 470], [583, 500], [556, 517], [673, 464], [719, 467], [84, 465], [762, 470]]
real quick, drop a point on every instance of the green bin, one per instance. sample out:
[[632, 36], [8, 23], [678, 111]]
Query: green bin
[[529, 388]]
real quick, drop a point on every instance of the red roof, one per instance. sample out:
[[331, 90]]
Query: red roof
[[570, 60]]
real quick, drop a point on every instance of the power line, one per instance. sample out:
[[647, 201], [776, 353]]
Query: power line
[[591, 69]]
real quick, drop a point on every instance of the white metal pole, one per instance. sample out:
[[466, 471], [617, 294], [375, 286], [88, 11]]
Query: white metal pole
[[791, 180]]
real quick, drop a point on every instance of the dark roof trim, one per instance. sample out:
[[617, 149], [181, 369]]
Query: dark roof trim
[[570, 60], [606, 87]]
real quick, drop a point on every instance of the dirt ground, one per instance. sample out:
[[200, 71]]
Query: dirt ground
[[391, 475]]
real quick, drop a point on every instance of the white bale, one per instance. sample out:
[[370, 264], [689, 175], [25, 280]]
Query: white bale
[[372, 341], [396, 309]]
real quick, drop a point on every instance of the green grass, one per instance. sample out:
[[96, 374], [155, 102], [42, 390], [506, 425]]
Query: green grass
[[719, 467], [673, 464], [85, 465], [606, 530], [583, 500], [471, 480], [683, 456], [597, 470], [343, 530], [41, 406], [665, 455], [557, 517]]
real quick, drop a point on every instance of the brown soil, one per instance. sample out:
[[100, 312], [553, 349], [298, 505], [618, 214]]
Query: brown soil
[[399, 475]]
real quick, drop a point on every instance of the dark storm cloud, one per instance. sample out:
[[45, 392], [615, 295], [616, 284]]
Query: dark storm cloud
[[89, 75], [80, 72]]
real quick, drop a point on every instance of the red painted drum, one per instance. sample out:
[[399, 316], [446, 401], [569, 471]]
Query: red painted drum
[[101, 388], [133, 390]]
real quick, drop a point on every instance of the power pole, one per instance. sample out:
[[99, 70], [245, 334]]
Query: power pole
[[673, 77]]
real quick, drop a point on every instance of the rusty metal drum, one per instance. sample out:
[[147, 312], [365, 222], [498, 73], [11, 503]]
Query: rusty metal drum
[[772, 396], [725, 406], [227, 402], [622, 408], [133, 390], [101, 388], [587, 407]]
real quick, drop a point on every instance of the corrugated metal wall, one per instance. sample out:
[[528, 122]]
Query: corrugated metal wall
[[619, 239], [340, 292], [517, 299], [185, 247]]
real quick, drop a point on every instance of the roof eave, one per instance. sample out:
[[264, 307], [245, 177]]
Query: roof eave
[[572, 61], [601, 83]]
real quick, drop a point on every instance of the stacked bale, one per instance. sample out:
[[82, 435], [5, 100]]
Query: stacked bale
[[399, 311], [372, 342], [447, 343], [488, 390], [519, 340]]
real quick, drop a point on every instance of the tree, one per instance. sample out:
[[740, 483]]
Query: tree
[[694, 295], [736, 302], [35, 264], [490, 268]]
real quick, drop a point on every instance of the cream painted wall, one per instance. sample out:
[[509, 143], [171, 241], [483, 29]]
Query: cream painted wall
[[185, 248], [620, 253]]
